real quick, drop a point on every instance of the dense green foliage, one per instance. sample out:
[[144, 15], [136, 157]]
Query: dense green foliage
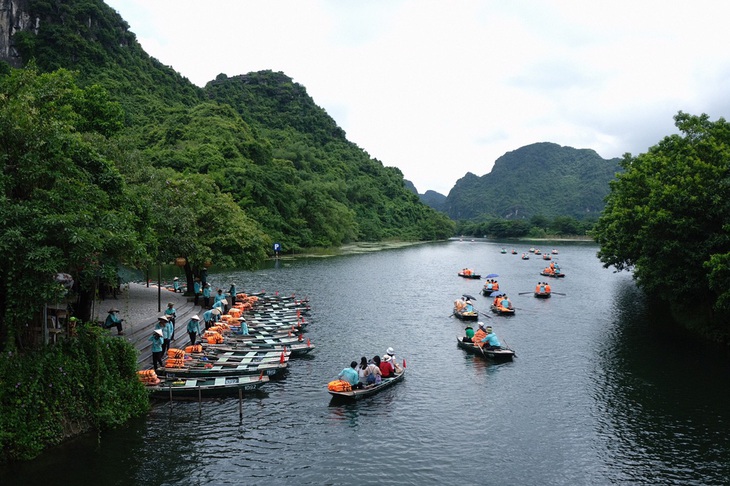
[[50, 394], [536, 227], [538, 179], [668, 219]]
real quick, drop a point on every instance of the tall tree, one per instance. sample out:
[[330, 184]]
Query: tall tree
[[62, 204], [667, 217]]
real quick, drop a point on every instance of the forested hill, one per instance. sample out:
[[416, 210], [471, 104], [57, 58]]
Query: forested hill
[[539, 179], [258, 137]]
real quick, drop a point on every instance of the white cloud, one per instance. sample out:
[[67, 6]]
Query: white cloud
[[440, 88]]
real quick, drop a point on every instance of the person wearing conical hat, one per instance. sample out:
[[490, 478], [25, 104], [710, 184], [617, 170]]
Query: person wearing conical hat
[[194, 328], [113, 320], [157, 343]]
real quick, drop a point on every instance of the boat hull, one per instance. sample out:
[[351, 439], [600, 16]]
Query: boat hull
[[502, 354], [193, 388], [553, 275], [368, 392]]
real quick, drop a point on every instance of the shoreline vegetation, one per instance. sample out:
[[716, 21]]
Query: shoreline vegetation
[[372, 246]]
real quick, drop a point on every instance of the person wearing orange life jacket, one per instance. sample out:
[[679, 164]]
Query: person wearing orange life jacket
[[495, 285], [539, 288], [479, 335], [547, 287]]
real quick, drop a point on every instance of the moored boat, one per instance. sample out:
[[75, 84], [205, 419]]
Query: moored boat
[[494, 354], [358, 394], [192, 388], [204, 368]]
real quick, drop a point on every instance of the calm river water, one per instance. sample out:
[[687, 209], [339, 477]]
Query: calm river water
[[596, 395]]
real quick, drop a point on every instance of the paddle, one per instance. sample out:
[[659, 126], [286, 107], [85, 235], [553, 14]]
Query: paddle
[[559, 293], [485, 315], [523, 293]]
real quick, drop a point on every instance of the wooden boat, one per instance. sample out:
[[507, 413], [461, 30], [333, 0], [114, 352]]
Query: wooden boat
[[496, 354], [546, 256], [475, 276], [192, 388], [368, 392], [202, 367], [552, 274], [487, 292], [525, 256], [467, 316], [293, 350], [543, 295], [242, 356], [502, 311], [514, 252], [554, 252]]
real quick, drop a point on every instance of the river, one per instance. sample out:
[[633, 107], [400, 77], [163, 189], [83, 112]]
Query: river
[[598, 393]]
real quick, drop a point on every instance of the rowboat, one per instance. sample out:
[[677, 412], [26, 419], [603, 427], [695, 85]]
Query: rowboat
[[494, 354], [245, 356], [470, 275], [552, 274], [368, 391], [467, 316], [209, 368], [192, 388], [502, 311], [542, 295], [293, 350]]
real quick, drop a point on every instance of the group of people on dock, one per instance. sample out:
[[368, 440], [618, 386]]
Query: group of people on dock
[[369, 373]]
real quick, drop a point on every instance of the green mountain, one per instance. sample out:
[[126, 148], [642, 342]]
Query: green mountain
[[259, 137], [539, 179]]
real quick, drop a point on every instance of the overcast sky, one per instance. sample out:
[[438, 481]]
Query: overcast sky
[[442, 88]]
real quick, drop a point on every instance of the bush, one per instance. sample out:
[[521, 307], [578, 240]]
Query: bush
[[85, 383]]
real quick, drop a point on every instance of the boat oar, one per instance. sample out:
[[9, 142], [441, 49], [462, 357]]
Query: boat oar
[[559, 293], [523, 293], [485, 315]]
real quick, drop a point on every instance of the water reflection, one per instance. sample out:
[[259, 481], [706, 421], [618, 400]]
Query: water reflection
[[651, 396]]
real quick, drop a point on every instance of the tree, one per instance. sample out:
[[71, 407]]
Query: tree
[[62, 203], [666, 217]]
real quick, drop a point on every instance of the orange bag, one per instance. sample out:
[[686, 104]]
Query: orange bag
[[339, 386]]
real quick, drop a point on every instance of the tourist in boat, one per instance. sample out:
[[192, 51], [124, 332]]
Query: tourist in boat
[[557, 269], [113, 320], [157, 344], [491, 341], [373, 376], [194, 329], [547, 287], [388, 361], [479, 335], [505, 302], [489, 286], [469, 307], [361, 368], [386, 367], [495, 285], [350, 375], [468, 334]]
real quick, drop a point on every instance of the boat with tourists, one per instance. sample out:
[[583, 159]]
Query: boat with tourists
[[367, 391], [495, 354]]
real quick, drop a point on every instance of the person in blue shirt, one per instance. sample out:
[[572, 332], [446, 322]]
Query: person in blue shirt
[[221, 301], [194, 328], [171, 314], [208, 318], [206, 296], [491, 340], [197, 290], [351, 376], [165, 326], [176, 284], [113, 320], [244, 326], [157, 343], [232, 294]]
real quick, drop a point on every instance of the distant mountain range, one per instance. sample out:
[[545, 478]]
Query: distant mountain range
[[540, 179]]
